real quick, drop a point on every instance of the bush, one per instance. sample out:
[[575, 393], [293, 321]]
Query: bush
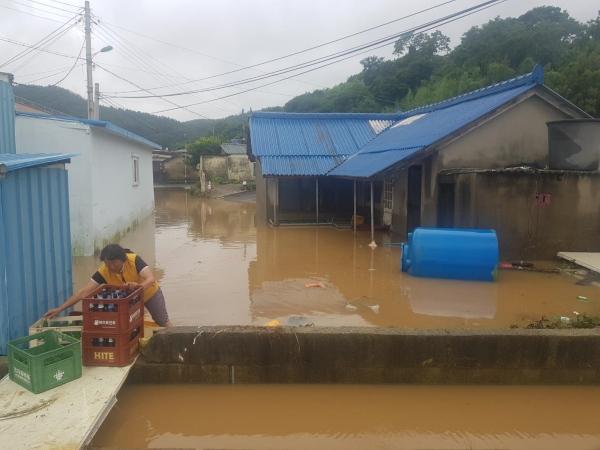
[[218, 180]]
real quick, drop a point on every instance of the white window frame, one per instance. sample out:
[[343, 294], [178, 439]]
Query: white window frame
[[135, 167]]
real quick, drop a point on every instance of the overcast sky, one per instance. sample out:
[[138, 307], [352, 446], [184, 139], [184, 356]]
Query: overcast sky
[[203, 38]]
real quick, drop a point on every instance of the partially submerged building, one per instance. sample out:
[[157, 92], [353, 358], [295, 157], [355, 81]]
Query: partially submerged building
[[480, 159], [294, 154], [110, 181]]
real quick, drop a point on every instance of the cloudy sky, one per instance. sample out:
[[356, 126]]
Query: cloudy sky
[[166, 46]]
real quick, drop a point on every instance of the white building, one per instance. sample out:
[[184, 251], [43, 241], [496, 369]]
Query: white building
[[110, 179]]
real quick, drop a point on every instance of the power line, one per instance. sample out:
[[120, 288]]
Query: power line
[[53, 70], [109, 35], [489, 5], [70, 11], [30, 14], [58, 32], [105, 23], [339, 54], [132, 55], [166, 100], [71, 69], [45, 11], [65, 3], [54, 73], [289, 55], [23, 44], [133, 51], [28, 58]]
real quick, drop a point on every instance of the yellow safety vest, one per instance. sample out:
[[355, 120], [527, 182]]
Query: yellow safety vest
[[128, 275]]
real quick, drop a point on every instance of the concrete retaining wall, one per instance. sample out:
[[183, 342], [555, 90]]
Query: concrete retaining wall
[[369, 355], [232, 168]]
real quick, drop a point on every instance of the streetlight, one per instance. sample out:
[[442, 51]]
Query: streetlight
[[95, 113], [108, 48]]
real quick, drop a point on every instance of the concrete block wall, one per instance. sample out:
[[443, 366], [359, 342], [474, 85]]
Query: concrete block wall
[[369, 355]]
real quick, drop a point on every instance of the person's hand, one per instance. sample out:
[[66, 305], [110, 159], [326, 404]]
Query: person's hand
[[52, 313], [132, 285]]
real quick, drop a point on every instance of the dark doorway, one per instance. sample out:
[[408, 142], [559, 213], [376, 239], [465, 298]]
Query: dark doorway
[[445, 206], [413, 198]]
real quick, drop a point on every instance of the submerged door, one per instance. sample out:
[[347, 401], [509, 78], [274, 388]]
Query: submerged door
[[445, 207], [413, 198]]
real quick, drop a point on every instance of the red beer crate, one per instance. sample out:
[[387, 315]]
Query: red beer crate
[[101, 348], [102, 312]]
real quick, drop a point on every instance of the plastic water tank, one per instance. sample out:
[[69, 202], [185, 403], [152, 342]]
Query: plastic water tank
[[462, 254]]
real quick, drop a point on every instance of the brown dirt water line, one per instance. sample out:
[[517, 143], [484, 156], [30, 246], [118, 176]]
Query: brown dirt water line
[[353, 417], [217, 268]]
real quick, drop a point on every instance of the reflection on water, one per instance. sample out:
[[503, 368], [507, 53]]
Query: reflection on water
[[353, 417], [217, 268]]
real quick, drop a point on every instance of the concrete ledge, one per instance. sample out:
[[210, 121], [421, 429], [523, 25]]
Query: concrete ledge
[[369, 355]]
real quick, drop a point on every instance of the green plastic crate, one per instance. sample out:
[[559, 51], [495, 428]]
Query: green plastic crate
[[55, 360], [71, 325]]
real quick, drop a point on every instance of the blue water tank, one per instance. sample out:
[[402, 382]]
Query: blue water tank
[[462, 254]]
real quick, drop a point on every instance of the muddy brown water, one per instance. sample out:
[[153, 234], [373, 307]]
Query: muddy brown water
[[353, 417], [217, 268]]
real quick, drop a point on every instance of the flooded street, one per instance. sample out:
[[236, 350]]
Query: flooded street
[[217, 268], [353, 417]]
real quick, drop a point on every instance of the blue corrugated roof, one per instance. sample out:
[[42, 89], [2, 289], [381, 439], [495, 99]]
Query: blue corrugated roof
[[11, 162], [311, 144], [108, 126], [424, 126]]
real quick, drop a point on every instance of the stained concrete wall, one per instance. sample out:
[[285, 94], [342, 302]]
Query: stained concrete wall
[[233, 167], [214, 166], [369, 355], [239, 168], [516, 136], [535, 215]]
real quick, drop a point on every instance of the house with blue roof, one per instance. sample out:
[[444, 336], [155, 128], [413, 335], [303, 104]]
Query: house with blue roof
[[467, 161], [295, 152], [35, 240], [111, 185]]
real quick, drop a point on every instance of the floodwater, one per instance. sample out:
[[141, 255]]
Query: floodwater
[[217, 268], [353, 417]]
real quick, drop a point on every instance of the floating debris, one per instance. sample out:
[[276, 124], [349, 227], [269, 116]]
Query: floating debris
[[299, 321]]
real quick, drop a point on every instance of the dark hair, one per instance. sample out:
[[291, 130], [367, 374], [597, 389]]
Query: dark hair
[[113, 252]]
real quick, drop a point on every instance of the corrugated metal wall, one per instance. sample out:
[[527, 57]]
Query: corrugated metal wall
[[7, 118], [35, 249]]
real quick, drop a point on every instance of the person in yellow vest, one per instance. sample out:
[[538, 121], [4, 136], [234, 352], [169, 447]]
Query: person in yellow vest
[[121, 266]]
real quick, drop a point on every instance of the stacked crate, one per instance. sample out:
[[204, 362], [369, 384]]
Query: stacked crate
[[113, 318]]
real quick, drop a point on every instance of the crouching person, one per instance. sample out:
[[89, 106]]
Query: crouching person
[[121, 266]]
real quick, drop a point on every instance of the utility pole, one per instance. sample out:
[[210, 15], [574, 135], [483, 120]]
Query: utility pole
[[96, 101], [88, 60]]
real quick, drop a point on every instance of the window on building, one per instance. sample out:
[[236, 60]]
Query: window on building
[[136, 170], [388, 195]]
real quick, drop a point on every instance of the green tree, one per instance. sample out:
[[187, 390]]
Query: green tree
[[204, 146]]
